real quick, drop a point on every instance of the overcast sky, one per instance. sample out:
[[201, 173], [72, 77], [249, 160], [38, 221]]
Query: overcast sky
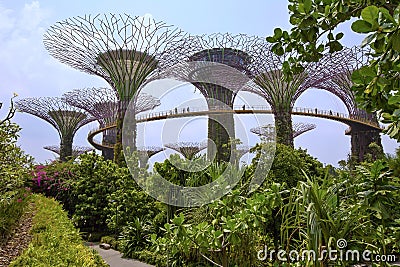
[[28, 70]]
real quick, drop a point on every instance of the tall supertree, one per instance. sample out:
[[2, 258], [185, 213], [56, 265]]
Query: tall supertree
[[145, 153], [212, 81], [76, 150], [188, 149], [102, 103], [64, 117], [340, 85], [124, 50], [280, 92], [267, 131]]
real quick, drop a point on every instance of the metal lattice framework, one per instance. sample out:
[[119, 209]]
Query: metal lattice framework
[[124, 50], [195, 53], [269, 82], [340, 85], [64, 117], [301, 127], [76, 150], [144, 153], [187, 149], [241, 150], [102, 103], [268, 131]]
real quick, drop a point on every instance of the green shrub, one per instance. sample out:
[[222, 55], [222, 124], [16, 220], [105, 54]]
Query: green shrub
[[288, 165], [94, 181], [128, 201], [11, 210], [55, 241], [15, 167]]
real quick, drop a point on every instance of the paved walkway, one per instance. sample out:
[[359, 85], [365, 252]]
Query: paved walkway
[[114, 258]]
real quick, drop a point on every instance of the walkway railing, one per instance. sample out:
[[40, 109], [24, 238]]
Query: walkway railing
[[204, 110], [177, 112]]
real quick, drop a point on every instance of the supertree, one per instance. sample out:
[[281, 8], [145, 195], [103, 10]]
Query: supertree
[[281, 92], [301, 127], [268, 131], [122, 49], [241, 150], [64, 117], [217, 83], [102, 103], [187, 149], [76, 150], [144, 153], [340, 85]]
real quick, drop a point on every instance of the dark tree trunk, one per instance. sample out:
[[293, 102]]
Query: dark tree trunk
[[66, 148], [220, 129], [283, 128], [361, 138], [130, 129]]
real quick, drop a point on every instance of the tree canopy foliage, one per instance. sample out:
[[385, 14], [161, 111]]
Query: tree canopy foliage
[[314, 22]]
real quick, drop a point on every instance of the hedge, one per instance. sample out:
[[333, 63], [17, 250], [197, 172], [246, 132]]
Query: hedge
[[55, 240]]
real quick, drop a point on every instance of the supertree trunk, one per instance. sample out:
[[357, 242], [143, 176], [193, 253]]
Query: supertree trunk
[[361, 139], [283, 128], [66, 148], [220, 129]]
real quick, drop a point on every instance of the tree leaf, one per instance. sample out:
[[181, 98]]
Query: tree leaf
[[307, 5], [367, 40], [396, 41], [370, 14], [277, 33], [396, 14], [394, 100], [361, 26]]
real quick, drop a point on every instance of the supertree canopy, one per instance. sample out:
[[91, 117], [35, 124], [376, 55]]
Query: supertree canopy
[[241, 150], [340, 85], [227, 49], [268, 131], [122, 49], [300, 128], [64, 117], [76, 150], [144, 153], [102, 103], [187, 149], [280, 92]]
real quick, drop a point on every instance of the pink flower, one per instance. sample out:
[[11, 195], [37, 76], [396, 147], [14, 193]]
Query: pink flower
[[19, 200]]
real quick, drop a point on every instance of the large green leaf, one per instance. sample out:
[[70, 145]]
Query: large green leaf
[[396, 41], [361, 26], [370, 14]]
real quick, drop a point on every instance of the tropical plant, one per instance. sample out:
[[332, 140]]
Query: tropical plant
[[376, 85]]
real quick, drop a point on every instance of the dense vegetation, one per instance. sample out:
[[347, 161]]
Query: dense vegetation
[[14, 172], [301, 205], [55, 241]]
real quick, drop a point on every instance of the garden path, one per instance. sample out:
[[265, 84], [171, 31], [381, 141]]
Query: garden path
[[114, 258]]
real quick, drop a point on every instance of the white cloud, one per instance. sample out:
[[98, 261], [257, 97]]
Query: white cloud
[[6, 20]]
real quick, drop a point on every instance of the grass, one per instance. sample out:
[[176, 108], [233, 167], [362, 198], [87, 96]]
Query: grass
[[55, 241]]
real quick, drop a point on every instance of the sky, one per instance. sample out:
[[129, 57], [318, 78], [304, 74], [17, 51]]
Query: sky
[[27, 69]]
